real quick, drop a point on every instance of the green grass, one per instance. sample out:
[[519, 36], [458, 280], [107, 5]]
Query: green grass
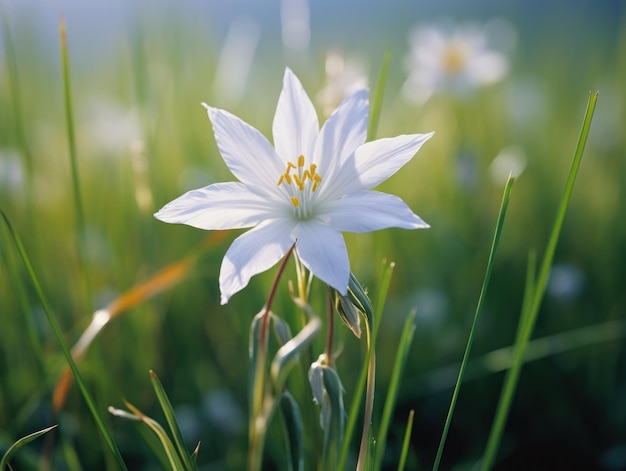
[[105, 174]]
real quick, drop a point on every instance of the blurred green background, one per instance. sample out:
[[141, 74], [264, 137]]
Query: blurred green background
[[139, 71]]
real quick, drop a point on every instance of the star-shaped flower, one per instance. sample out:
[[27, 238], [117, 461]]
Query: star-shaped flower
[[306, 189]]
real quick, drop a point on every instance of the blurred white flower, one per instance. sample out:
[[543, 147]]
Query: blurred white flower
[[343, 77], [305, 190], [455, 59], [511, 160]]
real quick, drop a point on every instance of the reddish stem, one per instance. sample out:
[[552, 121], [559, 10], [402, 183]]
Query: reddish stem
[[270, 298]]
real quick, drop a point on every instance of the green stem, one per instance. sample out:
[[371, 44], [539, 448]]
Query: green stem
[[481, 299]]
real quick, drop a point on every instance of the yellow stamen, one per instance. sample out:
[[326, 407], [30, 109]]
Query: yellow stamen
[[295, 201], [280, 180], [301, 161], [299, 182]]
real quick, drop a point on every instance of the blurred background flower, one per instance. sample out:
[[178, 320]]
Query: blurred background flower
[[456, 58]]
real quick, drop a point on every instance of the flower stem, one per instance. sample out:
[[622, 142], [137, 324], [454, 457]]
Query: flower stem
[[261, 407], [329, 339]]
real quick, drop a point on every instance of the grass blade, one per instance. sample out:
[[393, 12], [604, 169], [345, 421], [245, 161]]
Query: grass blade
[[394, 382], [170, 417], [71, 140], [481, 299], [406, 441], [512, 377], [20, 443], [66, 351], [377, 103]]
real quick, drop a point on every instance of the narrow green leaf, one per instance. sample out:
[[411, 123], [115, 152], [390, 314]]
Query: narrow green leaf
[[392, 389], [334, 425], [378, 98], [71, 140], [166, 443], [61, 340], [481, 299], [20, 443], [512, 376], [170, 417], [292, 418], [406, 442]]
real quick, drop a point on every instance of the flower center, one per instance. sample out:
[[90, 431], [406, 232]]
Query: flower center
[[300, 183], [454, 58]]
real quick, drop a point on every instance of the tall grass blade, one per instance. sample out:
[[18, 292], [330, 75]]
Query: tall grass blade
[[392, 389], [512, 377], [377, 103], [22, 298], [71, 140], [20, 443], [66, 351], [481, 299], [170, 417], [406, 442]]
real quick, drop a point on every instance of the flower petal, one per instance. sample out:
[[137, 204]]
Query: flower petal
[[376, 161], [246, 152], [295, 126], [218, 206], [343, 132], [366, 211], [254, 252], [322, 250]]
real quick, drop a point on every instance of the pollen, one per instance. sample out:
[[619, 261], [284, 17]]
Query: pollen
[[295, 201], [299, 177]]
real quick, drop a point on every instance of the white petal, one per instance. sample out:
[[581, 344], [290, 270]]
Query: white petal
[[295, 126], [322, 250], [219, 206], [366, 211], [247, 153], [254, 252], [376, 161], [343, 132]]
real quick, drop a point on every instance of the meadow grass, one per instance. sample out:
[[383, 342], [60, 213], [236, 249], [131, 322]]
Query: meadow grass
[[102, 153]]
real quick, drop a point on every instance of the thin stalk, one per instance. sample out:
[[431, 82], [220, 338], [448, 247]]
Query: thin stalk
[[481, 300], [71, 140], [258, 419], [512, 378], [66, 351]]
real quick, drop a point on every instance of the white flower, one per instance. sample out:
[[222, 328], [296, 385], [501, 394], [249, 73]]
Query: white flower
[[451, 58], [309, 187]]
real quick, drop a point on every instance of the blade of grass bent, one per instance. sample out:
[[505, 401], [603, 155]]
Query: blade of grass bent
[[66, 351], [512, 377], [21, 442], [481, 299], [392, 390]]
